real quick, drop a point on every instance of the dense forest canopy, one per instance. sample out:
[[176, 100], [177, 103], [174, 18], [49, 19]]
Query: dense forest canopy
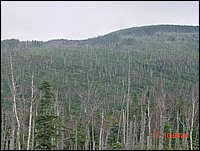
[[108, 92]]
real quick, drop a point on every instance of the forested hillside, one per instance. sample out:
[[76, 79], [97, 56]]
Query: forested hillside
[[110, 92]]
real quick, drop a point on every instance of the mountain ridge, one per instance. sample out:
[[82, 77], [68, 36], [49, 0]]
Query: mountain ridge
[[137, 30]]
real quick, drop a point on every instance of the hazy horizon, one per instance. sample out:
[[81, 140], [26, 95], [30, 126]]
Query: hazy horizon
[[79, 20], [98, 35]]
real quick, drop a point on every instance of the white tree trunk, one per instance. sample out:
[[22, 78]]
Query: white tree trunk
[[101, 130], [134, 132], [33, 128], [149, 127], [14, 103], [124, 128], [192, 118], [128, 102], [30, 116], [143, 122], [177, 131], [162, 124], [93, 139], [120, 118]]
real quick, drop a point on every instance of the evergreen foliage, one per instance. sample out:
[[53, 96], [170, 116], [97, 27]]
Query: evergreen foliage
[[45, 120]]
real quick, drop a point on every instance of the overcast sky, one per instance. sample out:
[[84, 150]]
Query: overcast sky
[[81, 20]]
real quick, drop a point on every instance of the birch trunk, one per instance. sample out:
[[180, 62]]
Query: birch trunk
[[124, 129], [93, 139], [128, 102], [121, 114], [62, 132], [177, 131], [100, 135], [161, 132], [149, 126], [87, 142], [30, 117], [14, 103], [143, 117], [33, 128], [192, 119]]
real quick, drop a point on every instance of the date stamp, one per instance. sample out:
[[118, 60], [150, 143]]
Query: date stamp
[[169, 135]]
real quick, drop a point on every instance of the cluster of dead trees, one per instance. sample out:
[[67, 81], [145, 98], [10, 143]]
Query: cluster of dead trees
[[94, 127]]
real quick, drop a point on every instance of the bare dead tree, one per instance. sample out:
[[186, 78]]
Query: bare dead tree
[[101, 131], [143, 122], [93, 135], [31, 114], [134, 132], [149, 125], [128, 102], [160, 100], [121, 112], [194, 102], [14, 102], [124, 128], [177, 130]]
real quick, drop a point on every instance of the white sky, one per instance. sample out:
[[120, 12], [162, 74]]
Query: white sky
[[47, 20]]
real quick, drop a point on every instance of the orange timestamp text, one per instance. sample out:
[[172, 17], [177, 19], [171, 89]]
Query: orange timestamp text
[[170, 135]]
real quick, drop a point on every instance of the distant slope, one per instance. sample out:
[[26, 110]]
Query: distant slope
[[123, 36], [130, 36]]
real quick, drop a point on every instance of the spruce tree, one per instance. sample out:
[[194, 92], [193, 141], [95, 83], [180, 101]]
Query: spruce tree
[[45, 120]]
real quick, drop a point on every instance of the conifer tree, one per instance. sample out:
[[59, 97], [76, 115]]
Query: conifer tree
[[45, 121]]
